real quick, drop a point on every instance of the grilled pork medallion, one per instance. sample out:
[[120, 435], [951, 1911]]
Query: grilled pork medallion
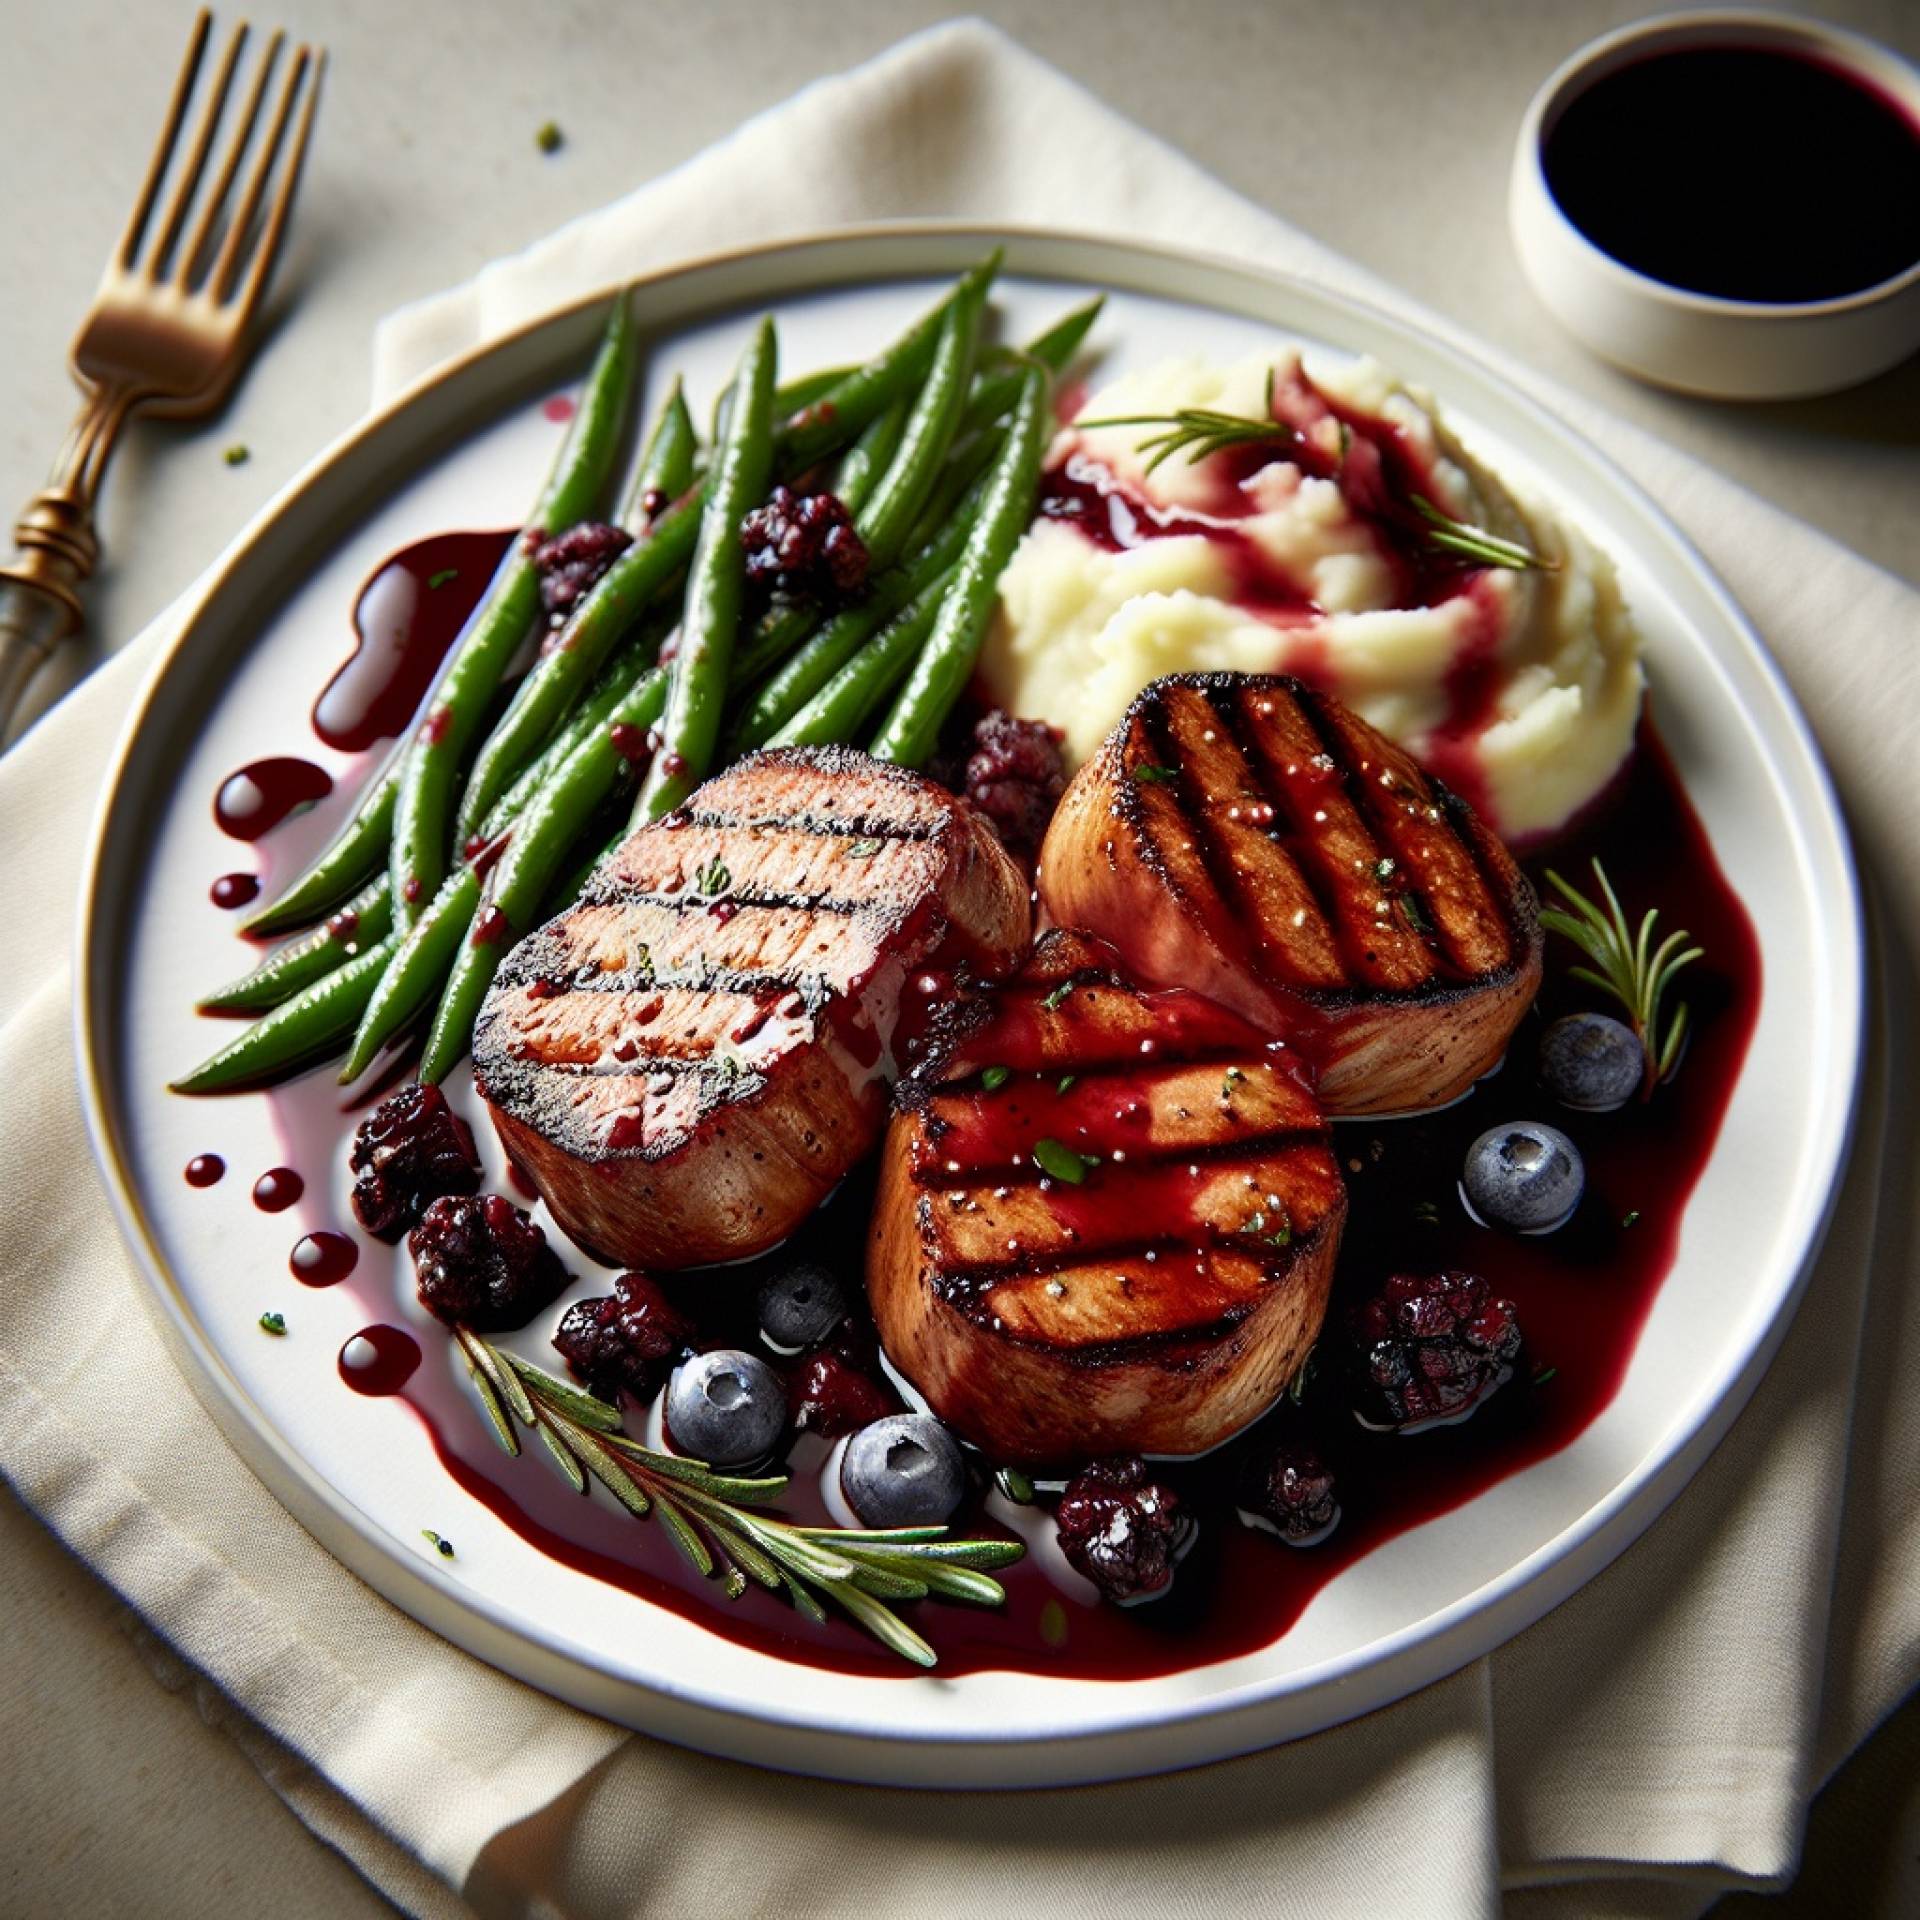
[[1107, 1218], [687, 1061], [1245, 836]]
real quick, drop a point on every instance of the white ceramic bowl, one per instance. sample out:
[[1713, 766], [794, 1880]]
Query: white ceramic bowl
[[1729, 349]]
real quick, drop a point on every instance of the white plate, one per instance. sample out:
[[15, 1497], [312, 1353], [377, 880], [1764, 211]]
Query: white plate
[[459, 451]]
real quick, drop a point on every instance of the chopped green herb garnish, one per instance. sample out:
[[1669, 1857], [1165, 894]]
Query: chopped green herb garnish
[[864, 849], [1413, 914], [1066, 1082], [1281, 1236], [1151, 775], [271, 1322], [1058, 997], [713, 877], [1061, 1162], [994, 1078], [1383, 869], [548, 138], [1303, 1376], [1015, 1485], [1632, 1219], [441, 1545], [1226, 1084], [437, 580], [238, 454], [1545, 1374]]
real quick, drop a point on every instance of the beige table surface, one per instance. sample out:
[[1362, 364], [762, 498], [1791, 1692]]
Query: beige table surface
[[1383, 127]]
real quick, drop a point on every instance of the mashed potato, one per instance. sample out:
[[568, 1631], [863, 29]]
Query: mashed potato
[[1520, 688]]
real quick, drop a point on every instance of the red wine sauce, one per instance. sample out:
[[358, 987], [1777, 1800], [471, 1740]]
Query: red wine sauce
[[1582, 1296], [408, 614], [234, 890], [1748, 173], [205, 1169], [255, 799], [277, 1189], [379, 1360], [323, 1259]]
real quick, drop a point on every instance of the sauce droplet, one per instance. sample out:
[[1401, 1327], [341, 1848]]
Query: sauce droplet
[[254, 800], [277, 1189], [233, 890], [204, 1169], [409, 612], [323, 1259], [379, 1360], [559, 408]]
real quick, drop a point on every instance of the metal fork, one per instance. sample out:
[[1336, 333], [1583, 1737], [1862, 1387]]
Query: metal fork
[[168, 331]]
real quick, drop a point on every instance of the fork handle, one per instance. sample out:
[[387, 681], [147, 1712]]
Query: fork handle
[[39, 601]]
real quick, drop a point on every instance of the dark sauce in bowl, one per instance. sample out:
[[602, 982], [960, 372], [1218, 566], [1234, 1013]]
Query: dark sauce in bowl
[[1742, 172]]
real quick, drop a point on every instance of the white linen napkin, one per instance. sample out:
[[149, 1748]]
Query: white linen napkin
[[1652, 1741]]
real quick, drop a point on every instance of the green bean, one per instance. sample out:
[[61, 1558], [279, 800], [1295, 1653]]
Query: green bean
[[868, 458], [995, 392], [841, 708], [423, 959], [343, 866], [542, 838], [299, 963], [544, 696], [716, 582], [911, 729], [300, 1033], [846, 407], [896, 502], [827, 651], [791, 396], [666, 466], [430, 764]]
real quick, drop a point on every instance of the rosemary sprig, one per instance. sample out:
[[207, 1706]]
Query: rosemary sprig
[[1476, 544], [1628, 967], [1200, 431], [712, 1516]]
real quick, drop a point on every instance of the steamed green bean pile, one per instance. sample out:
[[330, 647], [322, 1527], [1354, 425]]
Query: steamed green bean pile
[[492, 814]]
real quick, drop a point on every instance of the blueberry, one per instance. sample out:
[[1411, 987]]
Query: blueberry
[[801, 1305], [727, 1408], [903, 1471], [1525, 1176], [1591, 1063]]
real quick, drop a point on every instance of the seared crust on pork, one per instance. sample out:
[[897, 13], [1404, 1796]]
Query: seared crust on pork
[[1245, 836], [1158, 1304], [686, 1062]]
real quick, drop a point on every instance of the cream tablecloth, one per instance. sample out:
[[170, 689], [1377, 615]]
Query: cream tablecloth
[[1652, 1741]]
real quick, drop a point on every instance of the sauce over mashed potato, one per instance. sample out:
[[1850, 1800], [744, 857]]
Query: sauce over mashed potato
[[1308, 554]]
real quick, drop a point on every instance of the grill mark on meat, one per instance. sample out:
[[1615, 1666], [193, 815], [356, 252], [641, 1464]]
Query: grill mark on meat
[[1343, 854], [1140, 1161], [1287, 928], [624, 894], [829, 826], [1472, 931]]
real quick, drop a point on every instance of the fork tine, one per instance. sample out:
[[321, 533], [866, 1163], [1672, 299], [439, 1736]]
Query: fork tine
[[163, 148], [312, 64], [189, 181], [208, 225]]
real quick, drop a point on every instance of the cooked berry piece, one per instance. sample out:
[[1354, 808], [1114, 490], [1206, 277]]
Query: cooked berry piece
[[482, 1263], [804, 543], [801, 1305], [904, 1471], [1289, 1488], [831, 1394], [1432, 1346], [1015, 775], [1120, 1528], [727, 1408], [1527, 1177], [571, 562], [1591, 1063], [407, 1152], [625, 1341]]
